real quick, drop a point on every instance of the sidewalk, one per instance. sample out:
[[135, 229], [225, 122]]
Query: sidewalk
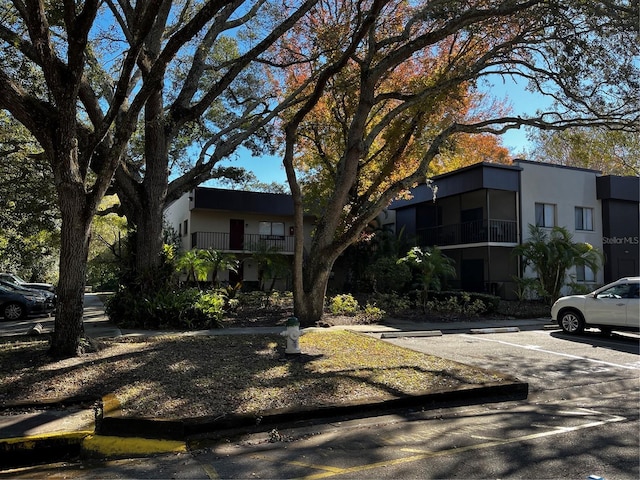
[[92, 426]]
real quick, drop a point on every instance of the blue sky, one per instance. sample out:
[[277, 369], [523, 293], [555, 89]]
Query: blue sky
[[269, 169]]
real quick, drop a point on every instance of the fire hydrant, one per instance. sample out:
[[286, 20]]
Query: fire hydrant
[[293, 334]]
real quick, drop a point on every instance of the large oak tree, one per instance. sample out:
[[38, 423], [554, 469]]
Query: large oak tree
[[109, 89], [389, 85]]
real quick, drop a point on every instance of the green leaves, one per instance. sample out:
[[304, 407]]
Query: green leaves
[[551, 253], [432, 266], [199, 263], [610, 151], [29, 222]]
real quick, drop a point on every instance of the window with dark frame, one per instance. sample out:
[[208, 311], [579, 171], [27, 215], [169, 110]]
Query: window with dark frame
[[545, 215], [271, 230], [584, 274], [584, 218]]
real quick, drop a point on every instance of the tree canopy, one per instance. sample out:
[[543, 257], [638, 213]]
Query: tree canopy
[[366, 94], [389, 85], [114, 91], [610, 151], [29, 223]]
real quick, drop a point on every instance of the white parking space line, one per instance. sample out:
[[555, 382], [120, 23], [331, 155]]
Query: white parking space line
[[634, 366]]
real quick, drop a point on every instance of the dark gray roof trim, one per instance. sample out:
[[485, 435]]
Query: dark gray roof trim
[[475, 177], [613, 187], [555, 165], [242, 201]]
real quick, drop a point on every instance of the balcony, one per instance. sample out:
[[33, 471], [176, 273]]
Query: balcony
[[229, 242], [479, 231]]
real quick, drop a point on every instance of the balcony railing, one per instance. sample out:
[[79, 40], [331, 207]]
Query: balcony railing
[[242, 243], [479, 231]]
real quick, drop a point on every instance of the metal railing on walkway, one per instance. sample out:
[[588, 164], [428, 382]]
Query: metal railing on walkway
[[248, 242]]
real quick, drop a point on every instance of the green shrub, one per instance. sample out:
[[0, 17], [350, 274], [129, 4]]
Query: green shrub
[[253, 299], [102, 277], [166, 309], [491, 302], [372, 314], [259, 300], [463, 303], [526, 288], [344, 305], [393, 302], [280, 299], [211, 305], [386, 275]]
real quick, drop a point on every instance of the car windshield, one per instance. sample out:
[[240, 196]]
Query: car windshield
[[623, 290]]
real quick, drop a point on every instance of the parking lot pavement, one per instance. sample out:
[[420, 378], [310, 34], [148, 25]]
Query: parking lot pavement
[[96, 323]]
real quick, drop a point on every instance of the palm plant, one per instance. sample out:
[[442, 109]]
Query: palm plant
[[433, 267], [199, 263], [215, 261], [272, 264], [551, 254], [191, 261]]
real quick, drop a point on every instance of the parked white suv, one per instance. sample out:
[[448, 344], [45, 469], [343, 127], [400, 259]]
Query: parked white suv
[[615, 306]]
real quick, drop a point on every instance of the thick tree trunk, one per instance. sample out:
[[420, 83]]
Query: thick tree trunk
[[151, 195], [69, 327], [74, 248], [149, 239], [308, 303]]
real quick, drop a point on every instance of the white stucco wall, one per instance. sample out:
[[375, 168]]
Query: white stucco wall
[[566, 188], [206, 220], [175, 215]]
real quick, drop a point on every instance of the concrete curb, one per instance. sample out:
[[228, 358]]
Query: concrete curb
[[495, 330], [104, 446], [184, 429], [424, 333], [115, 436], [87, 442]]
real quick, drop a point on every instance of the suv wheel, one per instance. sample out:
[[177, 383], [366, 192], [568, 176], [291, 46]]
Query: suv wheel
[[13, 311], [571, 322]]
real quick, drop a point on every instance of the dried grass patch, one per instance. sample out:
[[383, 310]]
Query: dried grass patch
[[191, 376]]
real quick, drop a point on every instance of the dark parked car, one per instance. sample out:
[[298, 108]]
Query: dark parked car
[[50, 297], [10, 277], [14, 305]]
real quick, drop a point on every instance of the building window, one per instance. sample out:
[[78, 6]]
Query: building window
[[585, 274], [272, 229], [584, 218], [545, 215], [186, 227]]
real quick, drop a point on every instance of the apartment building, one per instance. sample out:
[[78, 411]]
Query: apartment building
[[238, 222], [478, 214]]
